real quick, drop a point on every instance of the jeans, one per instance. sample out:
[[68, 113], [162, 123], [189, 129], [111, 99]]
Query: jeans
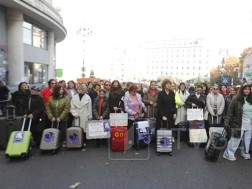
[[233, 144]]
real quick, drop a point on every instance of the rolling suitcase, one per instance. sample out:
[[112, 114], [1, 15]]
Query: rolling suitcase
[[164, 140], [50, 140], [142, 134], [119, 138], [217, 141], [74, 136], [19, 144]]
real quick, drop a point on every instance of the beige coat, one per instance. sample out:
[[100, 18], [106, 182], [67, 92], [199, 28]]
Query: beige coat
[[82, 108]]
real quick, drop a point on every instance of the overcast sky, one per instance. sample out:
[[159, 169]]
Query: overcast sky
[[228, 23]]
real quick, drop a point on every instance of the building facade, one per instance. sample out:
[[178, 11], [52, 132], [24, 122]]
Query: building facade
[[183, 59], [29, 31]]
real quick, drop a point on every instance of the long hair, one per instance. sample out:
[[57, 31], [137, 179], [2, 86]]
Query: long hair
[[71, 81], [21, 83], [56, 91], [207, 89], [184, 91], [114, 92], [240, 95]]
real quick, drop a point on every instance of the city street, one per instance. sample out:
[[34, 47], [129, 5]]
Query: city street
[[100, 168]]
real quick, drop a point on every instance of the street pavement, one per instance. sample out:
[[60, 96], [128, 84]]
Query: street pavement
[[99, 168]]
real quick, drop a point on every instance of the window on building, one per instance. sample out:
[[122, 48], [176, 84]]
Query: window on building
[[27, 33], [35, 73], [35, 36]]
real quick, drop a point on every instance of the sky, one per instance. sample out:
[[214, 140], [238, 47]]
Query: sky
[[226, 23]]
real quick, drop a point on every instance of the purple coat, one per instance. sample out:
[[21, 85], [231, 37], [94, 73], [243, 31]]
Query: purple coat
[[129, 107]]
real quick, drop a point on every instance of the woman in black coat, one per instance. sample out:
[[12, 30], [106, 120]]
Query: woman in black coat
[[116, 95], [35, 111], [197, 99], [20, 99], [166, 107]]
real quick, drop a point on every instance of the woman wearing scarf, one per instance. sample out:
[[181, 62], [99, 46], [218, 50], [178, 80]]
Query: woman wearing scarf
[[150, 99], [100, 109]]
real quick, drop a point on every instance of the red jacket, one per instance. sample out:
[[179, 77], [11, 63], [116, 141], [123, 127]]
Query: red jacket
[[46, 93]]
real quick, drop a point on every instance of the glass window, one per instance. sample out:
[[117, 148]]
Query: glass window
[[39, 37], [35, 73], [27, 33], [35, 36]]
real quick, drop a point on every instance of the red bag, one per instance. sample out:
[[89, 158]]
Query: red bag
[[119, 138]]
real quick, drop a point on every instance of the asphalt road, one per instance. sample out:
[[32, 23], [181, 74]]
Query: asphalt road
[[98, 168]]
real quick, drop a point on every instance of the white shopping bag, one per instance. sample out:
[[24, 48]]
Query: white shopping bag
[[195, 114], [197, 135]]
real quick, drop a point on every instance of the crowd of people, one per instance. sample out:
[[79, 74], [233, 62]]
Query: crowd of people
[[66, 102]]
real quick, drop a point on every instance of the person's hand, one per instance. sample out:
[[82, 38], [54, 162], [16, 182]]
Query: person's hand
[[25, 116], [145, 110], [164, 118], [30, 116], [58, 119], [53, 119], [101, 118], [151, 103], [115, 108], [136, 115], [154, 104], [174, 116], [194, 105]]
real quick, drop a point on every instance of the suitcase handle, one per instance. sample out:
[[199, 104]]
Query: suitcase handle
[[217, 119], [23, 124], [118, 109], [148, 112], [53, 124], [79, 120], [166, 123], [8, 116]]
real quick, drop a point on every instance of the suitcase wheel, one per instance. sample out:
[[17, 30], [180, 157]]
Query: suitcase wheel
[[170, 153], [24, 155], [158, 153]]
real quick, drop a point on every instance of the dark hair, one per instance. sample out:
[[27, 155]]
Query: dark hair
[[199, 86], [164, 82], [132, 87], [240, 95], [102, 90], [56, 91], [191, 89], [153, 81], [21, 83], [182, 83], [96, 84], [49, 82], [207, 89], [115, 92], [71, 81]]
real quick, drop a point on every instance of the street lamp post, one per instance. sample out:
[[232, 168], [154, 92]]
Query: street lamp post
[[84, 32]]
